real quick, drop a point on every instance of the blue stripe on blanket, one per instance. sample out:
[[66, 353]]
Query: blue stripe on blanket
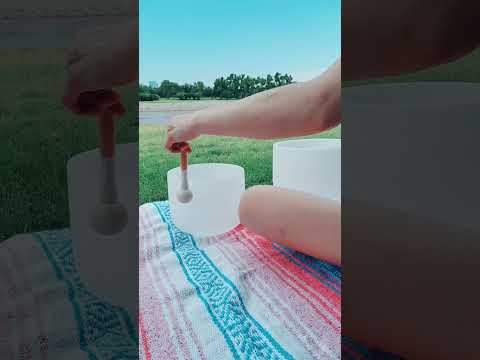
[[318, 269], [331, 271], [245, 337], [104, 331]]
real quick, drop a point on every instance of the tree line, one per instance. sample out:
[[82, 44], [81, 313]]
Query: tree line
[[231, 87]]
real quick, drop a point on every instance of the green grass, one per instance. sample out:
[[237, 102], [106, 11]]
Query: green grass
[[253, 155], [256, 156], [175, 100], [38, 137]]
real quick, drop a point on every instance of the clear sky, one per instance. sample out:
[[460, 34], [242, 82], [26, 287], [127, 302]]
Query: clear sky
[[193, 40]]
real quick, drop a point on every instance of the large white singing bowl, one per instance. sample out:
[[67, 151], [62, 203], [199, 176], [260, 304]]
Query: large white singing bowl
[[105, 262], [309, 165], [400, 149], [217, 189]]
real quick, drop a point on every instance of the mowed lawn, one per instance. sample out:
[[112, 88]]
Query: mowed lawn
[[38, 136], [254, 156]]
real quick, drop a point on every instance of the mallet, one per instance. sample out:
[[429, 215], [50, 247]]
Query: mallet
[[184, 194], [109, 217]]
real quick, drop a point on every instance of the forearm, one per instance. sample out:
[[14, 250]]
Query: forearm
[[293, 110], [390, 38]]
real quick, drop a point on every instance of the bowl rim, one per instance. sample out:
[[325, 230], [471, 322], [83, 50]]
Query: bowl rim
[[96, 151], [196, 165], [315, 143]]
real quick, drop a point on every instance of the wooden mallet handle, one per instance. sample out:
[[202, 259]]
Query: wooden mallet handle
[[184, 160], [106, 127], [184, 149]]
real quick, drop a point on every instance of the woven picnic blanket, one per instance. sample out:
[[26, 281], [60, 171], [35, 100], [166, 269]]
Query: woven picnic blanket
[[233, 296], [46, 312]]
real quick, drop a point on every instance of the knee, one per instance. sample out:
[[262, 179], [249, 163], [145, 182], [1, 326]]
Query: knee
[[251, 203]]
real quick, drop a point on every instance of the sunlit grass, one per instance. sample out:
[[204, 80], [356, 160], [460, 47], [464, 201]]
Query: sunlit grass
[[253, 155], [38, 137]]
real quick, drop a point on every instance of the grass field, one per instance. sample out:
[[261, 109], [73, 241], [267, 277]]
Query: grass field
[[256, 156], [38, 136], [178, 105], [175, 100], [253, 155]]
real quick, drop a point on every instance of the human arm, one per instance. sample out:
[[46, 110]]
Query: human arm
[[100, 59], [292, 110], [383, 38]]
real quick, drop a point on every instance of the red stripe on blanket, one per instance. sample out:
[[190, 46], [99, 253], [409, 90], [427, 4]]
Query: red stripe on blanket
[[177, 297], [144, 336], [259, 287], [296, 270], [156, 328], [252, 249], [291, 270]]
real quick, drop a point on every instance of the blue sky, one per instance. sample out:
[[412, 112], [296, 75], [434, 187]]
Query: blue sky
[[190, 40]]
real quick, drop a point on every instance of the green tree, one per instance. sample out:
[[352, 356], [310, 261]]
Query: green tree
[[231, 87], [199, 87], [220, 87], [208, 92], [277, 79], [168, 89], [270, 84]]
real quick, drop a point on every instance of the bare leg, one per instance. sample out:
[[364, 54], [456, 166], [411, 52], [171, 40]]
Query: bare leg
[[301, 221]]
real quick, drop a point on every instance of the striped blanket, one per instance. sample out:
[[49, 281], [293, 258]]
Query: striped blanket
[[47, 313], [235, 296]]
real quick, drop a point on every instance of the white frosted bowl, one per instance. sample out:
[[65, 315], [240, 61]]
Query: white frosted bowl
[[309, 165], [217, 189], [404, 134], [105, 262]]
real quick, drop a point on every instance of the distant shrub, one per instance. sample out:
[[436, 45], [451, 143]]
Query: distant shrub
[[181, 95], [148, 97]]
